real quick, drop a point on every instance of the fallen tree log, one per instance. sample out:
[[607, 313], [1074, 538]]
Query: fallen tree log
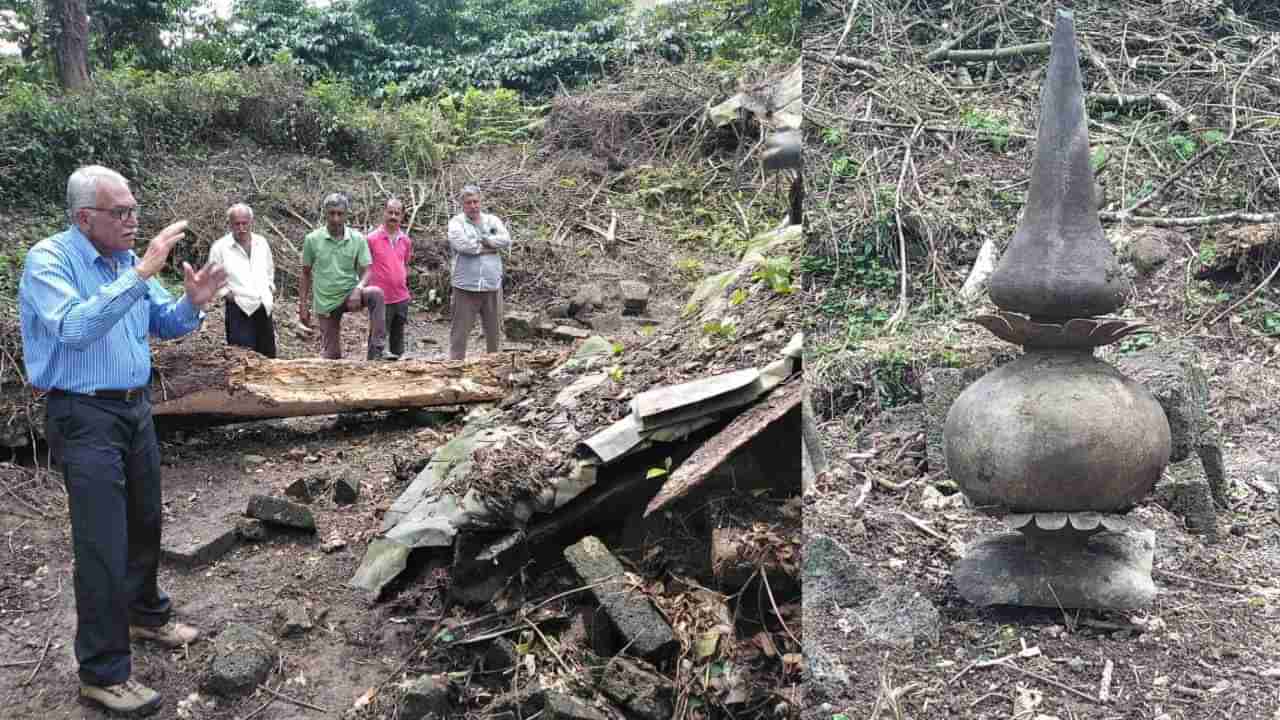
[[234, 385]]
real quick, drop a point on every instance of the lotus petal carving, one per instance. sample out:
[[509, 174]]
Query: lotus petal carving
[[1078, 333]]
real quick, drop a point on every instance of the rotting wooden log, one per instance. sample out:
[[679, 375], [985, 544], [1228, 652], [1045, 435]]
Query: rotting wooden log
[[234, 385], [735, 435]]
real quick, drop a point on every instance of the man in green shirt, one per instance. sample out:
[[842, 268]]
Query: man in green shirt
[[335, 280]]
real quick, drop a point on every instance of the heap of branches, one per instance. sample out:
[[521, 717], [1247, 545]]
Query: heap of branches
[[921, 122]]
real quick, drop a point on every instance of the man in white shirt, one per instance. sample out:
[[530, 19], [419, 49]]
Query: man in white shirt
[[251, 282], [476, 240]]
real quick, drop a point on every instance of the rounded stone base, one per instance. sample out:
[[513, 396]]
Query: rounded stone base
[[1108, 571]]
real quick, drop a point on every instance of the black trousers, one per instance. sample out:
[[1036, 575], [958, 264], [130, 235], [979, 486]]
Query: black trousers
[[255, 332], [110, 461], [397, 315]]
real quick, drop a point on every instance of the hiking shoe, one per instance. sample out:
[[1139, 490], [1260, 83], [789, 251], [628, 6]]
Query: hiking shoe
[[173, 635], [128, 698]]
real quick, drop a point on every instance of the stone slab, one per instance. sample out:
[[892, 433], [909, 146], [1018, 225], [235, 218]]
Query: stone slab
[[242, 659], [565, 707], [278, 511], [1184, 490], [635, 618], [642, 691], [1112, 571], [194, 544]]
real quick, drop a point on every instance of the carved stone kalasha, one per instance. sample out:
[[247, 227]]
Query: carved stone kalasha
[[1058, 442]]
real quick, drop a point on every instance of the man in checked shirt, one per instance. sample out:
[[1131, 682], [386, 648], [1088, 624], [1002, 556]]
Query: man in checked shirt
[[476, 240]]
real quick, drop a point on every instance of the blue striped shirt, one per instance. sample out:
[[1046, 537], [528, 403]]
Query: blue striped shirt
[[85, 322]]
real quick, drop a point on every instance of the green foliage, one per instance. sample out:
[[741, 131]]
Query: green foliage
[[893, 380], [993, 130], [833, 136], [1271, 323], [1098, 159], [1134, 343], [131, 115], [776, 273], [844, 166], [720, 329], [1184, 147], [691, 269], [1214, 137]]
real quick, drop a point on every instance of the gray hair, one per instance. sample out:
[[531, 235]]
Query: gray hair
[[336, 200], [239, 208], [82, 186], [394, 201], [468, 190]]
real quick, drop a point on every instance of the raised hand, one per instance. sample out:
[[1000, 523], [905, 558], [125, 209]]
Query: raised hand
[[203, 286], [157, 252]]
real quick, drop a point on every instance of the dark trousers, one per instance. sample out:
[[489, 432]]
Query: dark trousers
[[397, 316], [255, 331], [110, 461]]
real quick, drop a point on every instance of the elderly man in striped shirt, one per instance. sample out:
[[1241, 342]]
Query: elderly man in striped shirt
[[476, 240], [87, 304]]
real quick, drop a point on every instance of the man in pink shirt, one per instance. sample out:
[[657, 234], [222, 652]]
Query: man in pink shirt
[[392, 251]]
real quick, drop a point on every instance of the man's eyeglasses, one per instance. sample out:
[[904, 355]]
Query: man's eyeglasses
[[119, 213]]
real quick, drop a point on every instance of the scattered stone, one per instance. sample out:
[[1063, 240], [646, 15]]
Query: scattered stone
[[193, 544], [300, 489], [933, 499], [1147, 253], [939, 388], [251, 460], [827, 675], [292, 619], [606, 322], [564, 707], [278, 511], [520, 325], [644, 630], [296, 453], [1210, 452], [426, 697], [588, 298], [639, 688], [558, 310], [1113, 571], [830, 571], [251, 529], [1174, 375], [520, 703], [565, 332], [901, 618], [241, 660], [1240, 529], [635, 297], [501, 655], [346, 489], [334, 543], [1184, 491], [568, 396]]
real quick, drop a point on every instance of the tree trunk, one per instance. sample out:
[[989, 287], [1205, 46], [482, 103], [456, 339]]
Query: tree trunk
[[71, 24], [237, 385]]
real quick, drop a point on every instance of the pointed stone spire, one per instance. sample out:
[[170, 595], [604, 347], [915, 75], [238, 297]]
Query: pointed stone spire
[[1059, 265]]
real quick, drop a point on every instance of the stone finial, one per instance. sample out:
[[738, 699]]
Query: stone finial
[[1058, 264]]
